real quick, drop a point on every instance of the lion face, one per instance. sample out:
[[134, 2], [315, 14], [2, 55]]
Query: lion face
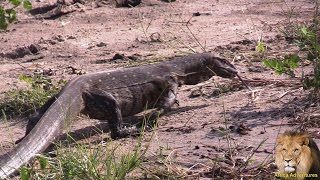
[[293, 155]]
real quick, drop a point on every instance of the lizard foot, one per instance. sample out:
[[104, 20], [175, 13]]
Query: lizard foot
[[125, 132], [19, 140], [151, 119]]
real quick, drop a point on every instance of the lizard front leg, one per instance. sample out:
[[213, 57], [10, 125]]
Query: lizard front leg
[[103, 106], [167, 99]]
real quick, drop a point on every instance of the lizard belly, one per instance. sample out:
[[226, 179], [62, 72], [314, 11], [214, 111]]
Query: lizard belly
[[136, 99]]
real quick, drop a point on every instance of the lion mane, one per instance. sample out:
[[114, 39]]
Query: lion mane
[[297, 153]]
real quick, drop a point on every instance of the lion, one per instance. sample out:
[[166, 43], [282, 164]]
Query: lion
[[297, 156]]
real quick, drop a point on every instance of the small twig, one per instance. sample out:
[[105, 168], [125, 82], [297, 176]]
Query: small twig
[[21, 65], [244, 83], [145, 30], [8, 127], [189, 119], [197, 85], [278, 98], [227, 135], [262, 163], [251, 155], [194, 37], [243, 36], [285, 82], [282, 124], [180, 42], [197, 165]]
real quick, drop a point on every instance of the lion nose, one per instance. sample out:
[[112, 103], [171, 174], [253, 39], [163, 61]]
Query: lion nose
[[287, 160]]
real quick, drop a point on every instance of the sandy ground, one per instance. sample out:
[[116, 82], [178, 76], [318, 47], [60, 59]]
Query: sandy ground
[[193, 134]]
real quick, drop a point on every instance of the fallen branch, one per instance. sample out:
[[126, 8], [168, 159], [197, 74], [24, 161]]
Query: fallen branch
[[276, 82]]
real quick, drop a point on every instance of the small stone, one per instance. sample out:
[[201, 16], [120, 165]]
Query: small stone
[[127, 3], [195, 93], [196, 14], [101, 44], [118, 56], [71, 37]]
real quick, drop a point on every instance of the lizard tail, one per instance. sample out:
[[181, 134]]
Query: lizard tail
[[67, 105]]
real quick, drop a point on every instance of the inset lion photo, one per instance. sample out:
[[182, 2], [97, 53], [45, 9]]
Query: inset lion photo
[[297, 156]]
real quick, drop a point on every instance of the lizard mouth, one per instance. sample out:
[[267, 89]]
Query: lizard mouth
[[226, 72], [229, 72]]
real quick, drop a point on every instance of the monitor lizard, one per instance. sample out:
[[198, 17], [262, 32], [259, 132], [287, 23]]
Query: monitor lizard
[[111, 95]]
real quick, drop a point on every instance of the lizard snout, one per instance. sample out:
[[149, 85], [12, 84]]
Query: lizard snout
[[229, 72], [222, 67], [226, 72]]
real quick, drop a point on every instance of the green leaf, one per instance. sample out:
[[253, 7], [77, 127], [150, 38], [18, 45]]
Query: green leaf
[[43, 161], [2, 10], [304, 30], [283, 66], [260, 47], [292, 61], [11, 15], [24, 173], [27, 5], [15, 2], [274, 64], [308, 35], [3, 22]]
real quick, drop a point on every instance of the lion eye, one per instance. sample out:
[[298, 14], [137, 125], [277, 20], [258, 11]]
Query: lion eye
[[296, 150], [284, 149]]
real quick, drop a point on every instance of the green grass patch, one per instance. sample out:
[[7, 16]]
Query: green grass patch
[[72, 160], [24, 102], [80, 161]]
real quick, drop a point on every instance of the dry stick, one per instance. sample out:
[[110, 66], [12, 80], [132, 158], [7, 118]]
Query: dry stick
[[289, 124], [8, 127], [251, 155], [278, 98], [197, 85], [244, 83], [262, 163], [227, 135], [276, 82], [194, 37], [180, 42], [192, 34], [197, 165], [145, 30]]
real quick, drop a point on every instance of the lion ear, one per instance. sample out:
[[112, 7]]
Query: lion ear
[[280, 139], [305, 140]]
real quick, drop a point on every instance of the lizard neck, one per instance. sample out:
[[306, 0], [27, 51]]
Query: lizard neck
[[196, 68]]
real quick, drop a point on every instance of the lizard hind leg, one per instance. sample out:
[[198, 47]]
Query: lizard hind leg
[[103, 106], [34, 118]]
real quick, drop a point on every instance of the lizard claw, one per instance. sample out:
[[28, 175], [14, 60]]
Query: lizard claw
[[125, 132], [177, 102]]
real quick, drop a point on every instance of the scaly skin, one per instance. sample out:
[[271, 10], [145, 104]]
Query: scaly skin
[[111, 96]]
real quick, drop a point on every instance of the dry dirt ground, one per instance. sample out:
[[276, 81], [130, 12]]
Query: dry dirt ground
[[208, 127]]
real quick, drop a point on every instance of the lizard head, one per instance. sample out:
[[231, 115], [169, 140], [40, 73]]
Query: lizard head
[[206, 66], [221, 67]]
